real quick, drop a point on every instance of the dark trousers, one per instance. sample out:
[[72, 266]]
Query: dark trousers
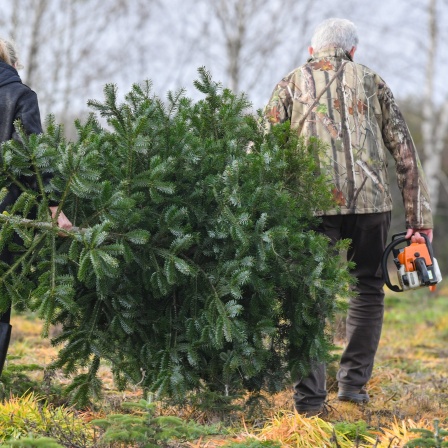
[[368, 234], [5, 327], [7, 257]]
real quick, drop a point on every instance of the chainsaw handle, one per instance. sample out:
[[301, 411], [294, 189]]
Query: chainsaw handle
[[396, 240], [429, 245], [401, 235]]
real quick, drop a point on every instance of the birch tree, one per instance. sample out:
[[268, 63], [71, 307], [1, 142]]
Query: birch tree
[[252, 31], [435, 116]]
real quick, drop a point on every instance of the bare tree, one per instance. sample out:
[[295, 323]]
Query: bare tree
[[70, 49], [252, 31], [250, 44], [39, 12], [435, 116]]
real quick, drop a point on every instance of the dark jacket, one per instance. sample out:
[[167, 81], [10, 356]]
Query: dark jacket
[[17, 102]]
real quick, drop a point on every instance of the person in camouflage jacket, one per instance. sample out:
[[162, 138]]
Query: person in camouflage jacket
[[351, 109]]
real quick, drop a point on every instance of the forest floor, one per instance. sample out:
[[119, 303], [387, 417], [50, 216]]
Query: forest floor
[[408, 389]]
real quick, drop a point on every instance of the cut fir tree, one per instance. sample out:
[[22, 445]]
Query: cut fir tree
[[192, 266]]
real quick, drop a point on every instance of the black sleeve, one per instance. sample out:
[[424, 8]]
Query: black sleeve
[[27, 111]]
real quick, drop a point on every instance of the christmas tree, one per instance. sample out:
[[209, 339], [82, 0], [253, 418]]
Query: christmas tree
[[192, 266]]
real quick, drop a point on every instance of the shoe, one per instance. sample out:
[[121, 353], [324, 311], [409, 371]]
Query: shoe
[[355, 397], [321, 412]]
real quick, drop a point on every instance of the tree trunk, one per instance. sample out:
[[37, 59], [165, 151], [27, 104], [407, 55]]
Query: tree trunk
[[435, 119]]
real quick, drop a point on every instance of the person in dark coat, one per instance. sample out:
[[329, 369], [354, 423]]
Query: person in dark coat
[[17, 102]]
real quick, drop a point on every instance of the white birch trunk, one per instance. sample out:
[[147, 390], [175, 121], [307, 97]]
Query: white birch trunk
[[435, 118]]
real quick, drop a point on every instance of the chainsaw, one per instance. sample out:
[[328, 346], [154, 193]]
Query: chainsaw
[[415, 262]]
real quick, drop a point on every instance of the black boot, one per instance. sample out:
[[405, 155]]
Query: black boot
[[5, 336]]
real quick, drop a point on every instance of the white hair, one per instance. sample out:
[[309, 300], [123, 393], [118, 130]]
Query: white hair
[[339, 33], [8, 53]]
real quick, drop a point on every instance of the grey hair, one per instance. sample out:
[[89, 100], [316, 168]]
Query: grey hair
[[10, 55], [339, 33]]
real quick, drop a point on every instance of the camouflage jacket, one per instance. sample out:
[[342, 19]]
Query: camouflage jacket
[[352, 110]]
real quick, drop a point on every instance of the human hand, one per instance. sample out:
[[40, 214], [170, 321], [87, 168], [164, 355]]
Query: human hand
[[62, 220], [415, 235]]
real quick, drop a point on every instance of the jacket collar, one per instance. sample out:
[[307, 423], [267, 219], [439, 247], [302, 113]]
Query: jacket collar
[[337, 52], [8, 74]]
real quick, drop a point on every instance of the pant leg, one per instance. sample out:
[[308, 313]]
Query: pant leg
[[310, 392], [365, 314], [5, 327], [6, 257]]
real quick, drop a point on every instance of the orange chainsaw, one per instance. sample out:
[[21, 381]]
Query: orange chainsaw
[[415, 262]]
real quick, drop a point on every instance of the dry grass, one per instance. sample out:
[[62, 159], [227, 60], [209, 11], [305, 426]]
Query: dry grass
[[409, 387]]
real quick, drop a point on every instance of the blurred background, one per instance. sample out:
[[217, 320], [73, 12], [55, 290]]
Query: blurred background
[[71, 48]]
